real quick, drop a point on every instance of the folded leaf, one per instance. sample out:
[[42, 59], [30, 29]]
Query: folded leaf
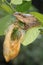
[[30, 35], [12, 48]]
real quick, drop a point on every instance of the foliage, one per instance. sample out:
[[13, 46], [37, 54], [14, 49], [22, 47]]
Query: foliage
[[6, 18], [31, 35], [38, 16], [5, 22], [16, 2]]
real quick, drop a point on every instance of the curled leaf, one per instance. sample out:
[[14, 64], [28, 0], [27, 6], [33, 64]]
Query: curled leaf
[[11, 47]]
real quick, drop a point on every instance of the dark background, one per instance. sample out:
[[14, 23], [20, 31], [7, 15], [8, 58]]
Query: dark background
[[38, 4]]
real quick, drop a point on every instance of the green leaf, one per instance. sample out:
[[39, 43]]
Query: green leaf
[[6, 8], [30, 36], [38, 16], [16, 2], [0, 2], [2, 13], [3, 0], [27, 0], [24, 7], [5, 22]]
